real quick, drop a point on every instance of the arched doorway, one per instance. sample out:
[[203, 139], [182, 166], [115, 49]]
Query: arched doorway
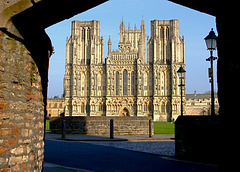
[[124, 112]]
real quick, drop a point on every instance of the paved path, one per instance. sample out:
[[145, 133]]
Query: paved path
[[79, 137], [85, 156]]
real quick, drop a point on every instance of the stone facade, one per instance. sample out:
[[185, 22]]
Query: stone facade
[[125, 85], [196, 104], [55, 107], [200, 104], [21, 108]]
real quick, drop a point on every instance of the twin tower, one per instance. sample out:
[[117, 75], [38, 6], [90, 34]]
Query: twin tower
[[126, 84]]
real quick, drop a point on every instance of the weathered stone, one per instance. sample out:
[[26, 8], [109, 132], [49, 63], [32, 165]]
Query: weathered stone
[[16, 132], [28, 116], [16, 168], [23, 167], [5, 132], [15, 159], [24, 132], [17, 151], [5, 170], [20, 108], [3, 103], [3, 161], [3, 149], [22, 26], [10, 142]]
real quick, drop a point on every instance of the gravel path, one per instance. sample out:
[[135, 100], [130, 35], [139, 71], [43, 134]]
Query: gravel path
[[166, 148]]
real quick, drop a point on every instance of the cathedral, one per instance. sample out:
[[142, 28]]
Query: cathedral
[[126, 83]]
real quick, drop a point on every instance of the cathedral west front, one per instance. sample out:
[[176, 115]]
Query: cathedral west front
[[135, 80]]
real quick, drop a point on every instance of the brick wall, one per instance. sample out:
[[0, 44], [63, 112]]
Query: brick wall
[[100, 125], [21, 108]]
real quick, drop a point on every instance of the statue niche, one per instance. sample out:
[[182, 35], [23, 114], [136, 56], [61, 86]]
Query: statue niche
[[124, 112]]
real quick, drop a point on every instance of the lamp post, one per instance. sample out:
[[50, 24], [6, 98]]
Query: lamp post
[[181, 73], [211, 42]]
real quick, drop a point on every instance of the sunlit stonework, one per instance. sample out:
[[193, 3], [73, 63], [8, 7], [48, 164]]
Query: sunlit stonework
[[126, 84]]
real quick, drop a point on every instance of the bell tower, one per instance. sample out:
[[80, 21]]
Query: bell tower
[[84, 50], [86, 42]]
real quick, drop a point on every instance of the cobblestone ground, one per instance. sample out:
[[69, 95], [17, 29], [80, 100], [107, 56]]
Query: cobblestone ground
[[166, 148]]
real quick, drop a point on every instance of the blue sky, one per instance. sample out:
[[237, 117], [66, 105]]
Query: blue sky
[[193, 25]]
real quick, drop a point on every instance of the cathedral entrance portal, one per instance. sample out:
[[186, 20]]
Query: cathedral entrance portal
[[124, 112]]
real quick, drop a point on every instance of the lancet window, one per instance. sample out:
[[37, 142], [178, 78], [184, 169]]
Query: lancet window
[[132, 83], [125, 82], [117, 83]]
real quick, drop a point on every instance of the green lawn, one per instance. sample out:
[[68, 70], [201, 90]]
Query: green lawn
[[163, 128]]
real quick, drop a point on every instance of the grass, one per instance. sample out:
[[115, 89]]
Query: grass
[[163, 128]]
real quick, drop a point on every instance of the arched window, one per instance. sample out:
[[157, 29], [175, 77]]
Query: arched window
[[100, 107], [82, 108], [99, 84], [162, 33], [175, 108], [145, 83], [88, 33], [132, 83], [145, 107], [125, 82], [162, 108], [99, 80], [83, 34], [117, 83], [83, 83], [87, 108], [167, 34]]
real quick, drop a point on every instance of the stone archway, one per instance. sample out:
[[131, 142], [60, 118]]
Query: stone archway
[[25, 50], [124, 112], [27, 30]]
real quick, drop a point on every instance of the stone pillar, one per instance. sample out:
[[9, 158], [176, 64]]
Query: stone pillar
[[21, 108], [228, 70]]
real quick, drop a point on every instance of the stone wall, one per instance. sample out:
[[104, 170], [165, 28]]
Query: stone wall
[[21, 108], [100, 125], [197, 138]]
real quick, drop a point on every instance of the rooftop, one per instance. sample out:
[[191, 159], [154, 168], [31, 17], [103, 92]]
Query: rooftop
[[200, 96]]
